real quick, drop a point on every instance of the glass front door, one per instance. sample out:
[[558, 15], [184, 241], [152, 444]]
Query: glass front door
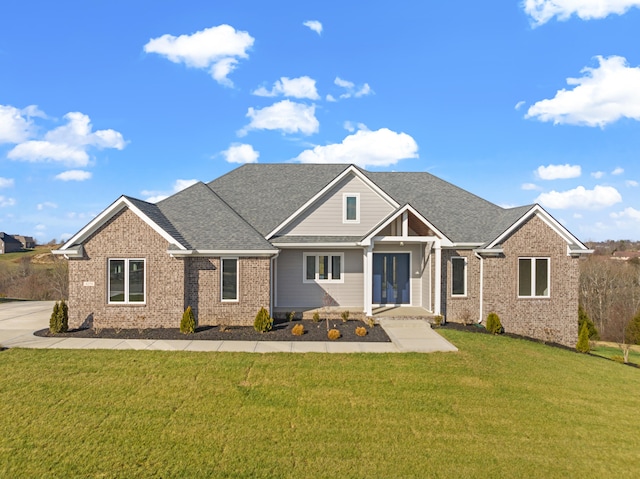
[[391, 278]]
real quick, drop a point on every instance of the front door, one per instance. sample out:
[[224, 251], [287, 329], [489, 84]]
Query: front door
[[391, 278]]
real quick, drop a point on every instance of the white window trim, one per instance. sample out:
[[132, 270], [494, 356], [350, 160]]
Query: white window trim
[[317, 275], [237, 299], [463, 295], [126, 281], [533, 277], [344, 207]]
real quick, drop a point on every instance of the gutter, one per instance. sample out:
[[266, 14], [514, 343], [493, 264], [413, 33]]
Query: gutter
[[228, 252]]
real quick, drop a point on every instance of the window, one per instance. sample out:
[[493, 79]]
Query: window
[[458, 276], [127, 281], [319, 267], [533, 277], [229, 272], [351, 208]]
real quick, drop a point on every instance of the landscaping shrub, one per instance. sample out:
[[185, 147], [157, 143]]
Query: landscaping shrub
[[632, 331], [291, 316], [298, 330], [583, 317], [59, 320], [437, 320], [345, 316], [361, 331], [54, 326], [583, 339], [263, 321], [494, 326], [333, 334], [370, 321], [316, 317], [188, 322]]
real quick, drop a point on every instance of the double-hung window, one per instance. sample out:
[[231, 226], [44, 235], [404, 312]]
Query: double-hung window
[[533, 277], [323, 268], [351, 208], [229, 279], [458, 276], [127, 281]]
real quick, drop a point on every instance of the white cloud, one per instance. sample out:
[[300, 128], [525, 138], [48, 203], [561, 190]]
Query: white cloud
[[6, 182], [241, 153], [581, 198], [519, 105], [631, 183], [45, 205], [365, 148], [530, 187], [314, 25], [301, 87], [288, 116], [541, 11], [68, 143], [74, 175], [216, 49], [627, 213], [16, 125], [4, 201], [602, 96], [331, 98], [351, 90], [598, 174], [41, 227], [557, 172], [617, 171], [178, 185]]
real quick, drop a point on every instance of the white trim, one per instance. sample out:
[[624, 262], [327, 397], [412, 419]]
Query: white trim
[[373, 234], [464, 272], [126, 282], [237, 260], [317, 279], [351, 169], [437, 301], [481, 294], [532, 260], [109, 213], [317, 245], [345, 197], [549, 220], [227, 252]]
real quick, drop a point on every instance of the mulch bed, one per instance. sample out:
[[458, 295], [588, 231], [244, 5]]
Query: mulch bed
[[281, 332]]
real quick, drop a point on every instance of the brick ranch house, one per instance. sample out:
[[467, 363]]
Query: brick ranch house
[[296, 237]]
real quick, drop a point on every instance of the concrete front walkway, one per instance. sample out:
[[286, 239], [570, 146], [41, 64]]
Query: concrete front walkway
[[19, 319]]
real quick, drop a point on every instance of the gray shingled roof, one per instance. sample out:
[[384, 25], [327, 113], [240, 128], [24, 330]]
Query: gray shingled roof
[[267, 194], [206, 222]]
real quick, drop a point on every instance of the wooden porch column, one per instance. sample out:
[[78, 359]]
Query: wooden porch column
[[368, 280]]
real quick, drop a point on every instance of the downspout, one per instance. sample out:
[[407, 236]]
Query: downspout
[[480, 309], [273, 284]]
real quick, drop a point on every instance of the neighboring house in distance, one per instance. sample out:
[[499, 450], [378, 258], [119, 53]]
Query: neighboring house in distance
[[8, 244], [27, 241], [297, 237]]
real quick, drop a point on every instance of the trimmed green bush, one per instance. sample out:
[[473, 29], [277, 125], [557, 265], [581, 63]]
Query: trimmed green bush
[[316, 317], [583, 317], [64, 316], [54, 325], [632, 332], [188, 322], [263, 321], [494, 326], [583, 339], [345, 316]]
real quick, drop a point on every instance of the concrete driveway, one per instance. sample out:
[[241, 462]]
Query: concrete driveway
[[22, 318]]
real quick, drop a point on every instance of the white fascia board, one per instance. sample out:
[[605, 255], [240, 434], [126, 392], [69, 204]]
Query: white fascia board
[[465, 245], [335, 181], [548, 219], [75, 252], [224, 252], [373, 234], [109, 213], [317, 245], [405, 239], [488, 251]]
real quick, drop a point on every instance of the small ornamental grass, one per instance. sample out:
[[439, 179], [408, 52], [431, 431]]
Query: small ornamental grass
[[345, 316], [298, 330], [494, 326], [263, 321], [333, 334], [361, 331], [188, 322], [316, 317]]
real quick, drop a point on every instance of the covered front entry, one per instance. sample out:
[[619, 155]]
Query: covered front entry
[[391, 278]]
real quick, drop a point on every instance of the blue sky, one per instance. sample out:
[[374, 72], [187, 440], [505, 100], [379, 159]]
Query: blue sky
[[517, 102]]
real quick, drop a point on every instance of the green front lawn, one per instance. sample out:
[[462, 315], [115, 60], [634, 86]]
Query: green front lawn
[[500, 407]]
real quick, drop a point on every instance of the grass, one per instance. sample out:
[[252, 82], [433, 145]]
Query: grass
[[610, 351], [500, 407]]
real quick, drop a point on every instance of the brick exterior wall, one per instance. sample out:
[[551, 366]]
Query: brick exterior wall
[[553, 319], [203, 291], [461, 309], [171, 283]]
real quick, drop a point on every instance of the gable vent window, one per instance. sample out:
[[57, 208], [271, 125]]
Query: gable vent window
[[127, 281], [323, 268], [533, 277], [351, 208]]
